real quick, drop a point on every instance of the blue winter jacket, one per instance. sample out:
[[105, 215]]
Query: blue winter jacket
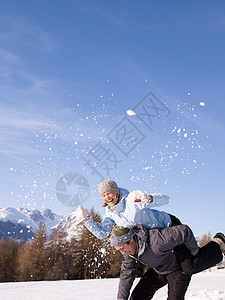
[[129, 213]]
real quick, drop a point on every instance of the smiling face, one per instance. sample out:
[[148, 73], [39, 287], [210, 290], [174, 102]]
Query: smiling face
[[129, 248], [111, 197]]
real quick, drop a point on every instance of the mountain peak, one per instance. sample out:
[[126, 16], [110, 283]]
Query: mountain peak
[[49, 214], [23, 223]]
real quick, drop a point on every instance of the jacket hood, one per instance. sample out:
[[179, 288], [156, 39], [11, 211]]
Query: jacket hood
[[140, 234]]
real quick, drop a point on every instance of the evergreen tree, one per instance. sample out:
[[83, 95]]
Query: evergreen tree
[[75, 255], [115, 259], [53, 255], [32, 261], [37, 258], [90, 253], [23, 268]]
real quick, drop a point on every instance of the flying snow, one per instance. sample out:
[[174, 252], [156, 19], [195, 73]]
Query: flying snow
[[130, 112]]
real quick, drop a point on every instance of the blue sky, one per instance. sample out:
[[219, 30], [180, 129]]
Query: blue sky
[[70, 70]]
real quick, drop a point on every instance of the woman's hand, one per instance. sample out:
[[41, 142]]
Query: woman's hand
[[82, 215], [139, 196]]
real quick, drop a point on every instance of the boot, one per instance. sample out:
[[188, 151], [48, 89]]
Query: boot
[[220, 239]]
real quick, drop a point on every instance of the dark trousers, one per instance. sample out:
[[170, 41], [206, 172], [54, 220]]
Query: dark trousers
[[207, 256], [151, 281]]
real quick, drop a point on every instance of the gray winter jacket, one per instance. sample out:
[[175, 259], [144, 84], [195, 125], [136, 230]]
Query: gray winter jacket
[[154, 250]]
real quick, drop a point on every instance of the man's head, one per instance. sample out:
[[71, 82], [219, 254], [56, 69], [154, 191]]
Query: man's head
[[122, 240], [109, 191]]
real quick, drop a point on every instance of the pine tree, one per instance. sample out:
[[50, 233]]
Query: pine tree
[[37, 258], [75, 256], [32, 261], [90, 253], [58, 256], [23, 267], [115, 259]]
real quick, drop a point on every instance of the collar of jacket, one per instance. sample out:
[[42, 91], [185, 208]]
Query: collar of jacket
[[141, 238], [122, 201], [118, 207]]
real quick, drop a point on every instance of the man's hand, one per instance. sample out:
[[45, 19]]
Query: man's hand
[[82, 215]]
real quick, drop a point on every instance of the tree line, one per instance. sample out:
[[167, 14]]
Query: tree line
[[82, 257]]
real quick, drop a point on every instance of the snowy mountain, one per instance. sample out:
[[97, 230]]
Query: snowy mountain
[[23, 223], [67, 224]]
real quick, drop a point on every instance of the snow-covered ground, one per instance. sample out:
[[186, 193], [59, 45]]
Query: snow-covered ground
[[206, 285]]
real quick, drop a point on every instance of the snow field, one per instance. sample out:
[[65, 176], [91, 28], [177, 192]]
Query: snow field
[[206, 285]]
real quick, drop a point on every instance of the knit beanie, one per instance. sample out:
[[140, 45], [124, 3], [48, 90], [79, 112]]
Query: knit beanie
[[120, 235], [107, 185]]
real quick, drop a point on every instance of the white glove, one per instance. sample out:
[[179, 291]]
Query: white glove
[[82, 215], [139, 196]]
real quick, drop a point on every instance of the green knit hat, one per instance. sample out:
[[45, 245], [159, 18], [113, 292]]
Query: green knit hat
[[120, 235]]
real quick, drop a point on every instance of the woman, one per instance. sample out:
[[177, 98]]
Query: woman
[[127, 209]]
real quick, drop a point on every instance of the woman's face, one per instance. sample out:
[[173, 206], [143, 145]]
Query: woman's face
[[111, 197]]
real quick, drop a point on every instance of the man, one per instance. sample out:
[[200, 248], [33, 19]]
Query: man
[[154, 248]]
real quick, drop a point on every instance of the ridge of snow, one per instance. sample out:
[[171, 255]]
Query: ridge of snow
[[30, 218]]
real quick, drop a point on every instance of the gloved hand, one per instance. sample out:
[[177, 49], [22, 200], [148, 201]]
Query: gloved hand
[[139, 196], [82, 215]]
